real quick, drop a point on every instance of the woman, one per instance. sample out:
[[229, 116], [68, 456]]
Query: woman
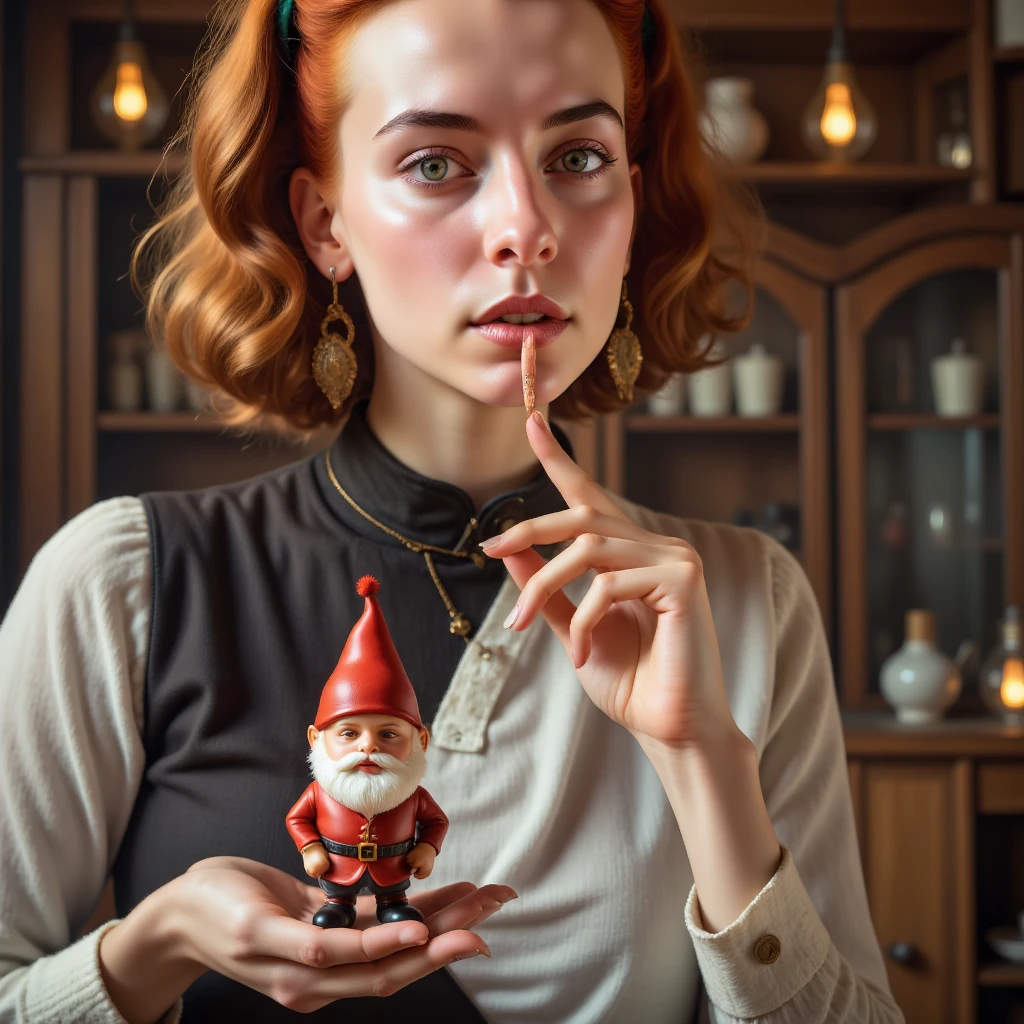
[[666, 808]]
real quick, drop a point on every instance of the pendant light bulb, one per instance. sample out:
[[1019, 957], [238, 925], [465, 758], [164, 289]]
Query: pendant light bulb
[[129, 98], [839, 122], [128, 103]]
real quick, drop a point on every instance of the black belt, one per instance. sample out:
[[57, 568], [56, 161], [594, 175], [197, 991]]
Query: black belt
[[368, 852]]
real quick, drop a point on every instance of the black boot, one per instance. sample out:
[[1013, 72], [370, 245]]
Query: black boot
[[335, 915], [397, 910]]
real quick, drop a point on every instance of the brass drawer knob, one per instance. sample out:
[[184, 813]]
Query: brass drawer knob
[[902, 952]]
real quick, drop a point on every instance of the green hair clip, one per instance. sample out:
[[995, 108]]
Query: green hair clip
[[286, 29]]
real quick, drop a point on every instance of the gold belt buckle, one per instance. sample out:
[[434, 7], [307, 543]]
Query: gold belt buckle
[[366, 851]]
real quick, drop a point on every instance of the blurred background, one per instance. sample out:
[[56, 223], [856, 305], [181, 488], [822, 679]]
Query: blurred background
[[869, 418]]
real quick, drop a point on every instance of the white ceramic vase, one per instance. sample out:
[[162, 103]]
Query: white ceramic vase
[[1008, 18], [729, 121], [163, 381], [124, 372], [958, 382], [758, 377], [709, 392], [918, 680], [669, 400]]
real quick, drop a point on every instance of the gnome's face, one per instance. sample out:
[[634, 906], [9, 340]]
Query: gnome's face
[[369, 763]]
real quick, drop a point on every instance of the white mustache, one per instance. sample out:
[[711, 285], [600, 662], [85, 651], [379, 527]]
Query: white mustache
[[349, 762]]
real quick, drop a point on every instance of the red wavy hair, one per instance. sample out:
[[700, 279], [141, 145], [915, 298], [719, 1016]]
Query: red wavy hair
[[226, 281]]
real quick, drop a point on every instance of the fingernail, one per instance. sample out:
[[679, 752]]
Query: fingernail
[[509, 899], [491, 542], [539, 419], [467, 956], [408, 936], [511, 617]]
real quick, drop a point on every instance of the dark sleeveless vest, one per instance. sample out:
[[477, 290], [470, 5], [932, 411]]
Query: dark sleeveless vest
[[253, 598]]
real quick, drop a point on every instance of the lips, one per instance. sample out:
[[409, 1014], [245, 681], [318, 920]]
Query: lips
[[522, 304]]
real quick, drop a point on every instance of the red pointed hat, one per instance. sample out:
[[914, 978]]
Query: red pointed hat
[[369, 678]]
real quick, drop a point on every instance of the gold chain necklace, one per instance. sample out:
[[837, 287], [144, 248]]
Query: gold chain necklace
[[459, 624]]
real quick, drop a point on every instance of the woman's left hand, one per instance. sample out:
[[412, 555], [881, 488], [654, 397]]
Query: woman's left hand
[[642, 639]]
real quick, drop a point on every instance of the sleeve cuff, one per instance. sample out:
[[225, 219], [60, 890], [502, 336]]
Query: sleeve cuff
[[737, 966], [67, 987]]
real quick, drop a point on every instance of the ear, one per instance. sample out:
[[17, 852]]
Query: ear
[[315, 216], [636, 183], [311, 734], [424, 738]]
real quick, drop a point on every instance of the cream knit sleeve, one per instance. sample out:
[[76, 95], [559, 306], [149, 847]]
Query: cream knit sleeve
[[73, 650]]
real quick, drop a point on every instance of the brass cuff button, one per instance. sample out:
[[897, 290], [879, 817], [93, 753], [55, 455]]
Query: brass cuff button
[[767, 949]]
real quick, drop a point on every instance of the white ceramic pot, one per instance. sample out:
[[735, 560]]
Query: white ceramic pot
[[758, 378], [709, 391], [918, 680], [163, 381], [124, 372], [958, 382], [729, 121], [670, 400], [1008, 18]]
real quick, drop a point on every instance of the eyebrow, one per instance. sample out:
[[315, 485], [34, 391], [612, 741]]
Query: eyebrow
[[464, 123]]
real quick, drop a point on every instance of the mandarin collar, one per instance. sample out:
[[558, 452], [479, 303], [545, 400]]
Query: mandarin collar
[[417, 506]]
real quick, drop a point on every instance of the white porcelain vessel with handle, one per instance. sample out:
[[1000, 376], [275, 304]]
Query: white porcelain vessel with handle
[[958, 381], [758, 377]]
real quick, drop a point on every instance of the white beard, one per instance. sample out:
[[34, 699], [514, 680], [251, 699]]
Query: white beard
[[368, 794]]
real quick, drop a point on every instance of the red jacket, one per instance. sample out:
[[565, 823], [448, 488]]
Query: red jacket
[[317, 814]]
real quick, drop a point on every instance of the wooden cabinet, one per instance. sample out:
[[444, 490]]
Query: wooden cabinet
[[940, 819]]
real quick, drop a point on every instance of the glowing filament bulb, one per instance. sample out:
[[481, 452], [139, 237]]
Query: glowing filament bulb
[[838, 122], [130, 102], [1011, 691]]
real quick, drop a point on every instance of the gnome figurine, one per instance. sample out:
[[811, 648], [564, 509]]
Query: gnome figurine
[[364, 822]]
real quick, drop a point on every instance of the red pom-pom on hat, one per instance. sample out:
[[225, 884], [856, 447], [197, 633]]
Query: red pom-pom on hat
[[369, 678]]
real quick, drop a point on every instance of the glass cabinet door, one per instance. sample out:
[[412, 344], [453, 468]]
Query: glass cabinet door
[[922, 350]]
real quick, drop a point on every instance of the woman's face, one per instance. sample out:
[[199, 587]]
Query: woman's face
[[483, 158]]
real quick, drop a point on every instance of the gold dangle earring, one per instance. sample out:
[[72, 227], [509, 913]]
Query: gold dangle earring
[[623, 351], [334, 362]]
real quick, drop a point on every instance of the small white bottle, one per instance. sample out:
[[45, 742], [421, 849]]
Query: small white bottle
[[164, 382], [918, 680], [758, 380], [670, 399], [958, 381], [710, 391], [124, 373]]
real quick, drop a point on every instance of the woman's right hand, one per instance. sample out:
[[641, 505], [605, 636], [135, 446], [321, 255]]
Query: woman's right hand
[[251, 922]]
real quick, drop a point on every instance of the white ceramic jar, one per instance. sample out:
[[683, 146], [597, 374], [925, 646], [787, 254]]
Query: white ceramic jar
[[729, 121], [918, 680], [163, 381], [670, 399], [758, 378], [124, 372], [709, 391], [1008, 22], [958, 382]]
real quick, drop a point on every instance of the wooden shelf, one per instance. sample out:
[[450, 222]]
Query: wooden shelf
[[642, 423], [883, 177], [156, 422], [1001, 974], [1008, 54], [930, 421], [105, 163], [877, 733]]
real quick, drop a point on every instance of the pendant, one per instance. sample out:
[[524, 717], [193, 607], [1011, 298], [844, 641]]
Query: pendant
[[460, 625]]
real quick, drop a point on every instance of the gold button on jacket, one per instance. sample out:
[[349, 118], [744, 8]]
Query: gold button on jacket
[[767, 949]]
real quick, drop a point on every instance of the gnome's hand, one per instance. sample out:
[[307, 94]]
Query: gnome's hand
[[421, 859], [315, 860]]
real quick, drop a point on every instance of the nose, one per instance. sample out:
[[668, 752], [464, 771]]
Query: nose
[[368, 744], [517, 227]]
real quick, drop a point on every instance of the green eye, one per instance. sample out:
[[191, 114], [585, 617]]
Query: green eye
[[576, 160], [434, 168]]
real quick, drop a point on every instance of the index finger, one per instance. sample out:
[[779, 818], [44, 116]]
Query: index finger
[[575, 485]]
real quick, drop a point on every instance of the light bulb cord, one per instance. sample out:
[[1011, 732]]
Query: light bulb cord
[[837, 52]]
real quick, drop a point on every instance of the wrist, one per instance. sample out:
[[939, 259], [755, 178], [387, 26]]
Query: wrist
[[143, 959]]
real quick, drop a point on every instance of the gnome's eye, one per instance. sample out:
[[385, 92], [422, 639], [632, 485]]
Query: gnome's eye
[[387, 734]]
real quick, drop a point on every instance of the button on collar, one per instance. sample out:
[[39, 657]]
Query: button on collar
[[767, 949]]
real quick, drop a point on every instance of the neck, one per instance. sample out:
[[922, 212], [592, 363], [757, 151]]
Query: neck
[[445, 434]]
